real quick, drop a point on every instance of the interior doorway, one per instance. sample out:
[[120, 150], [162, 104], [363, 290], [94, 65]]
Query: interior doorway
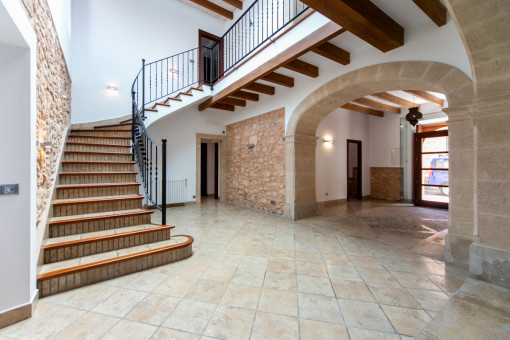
[[210, 58], [431, 169], [209, 169], [354, 169]]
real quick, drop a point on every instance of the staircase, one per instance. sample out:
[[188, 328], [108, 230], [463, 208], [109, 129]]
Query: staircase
[[99, 230]]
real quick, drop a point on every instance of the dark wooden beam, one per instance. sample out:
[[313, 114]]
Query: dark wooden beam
[[394, 99], [362, 109], [434, 10], [246, 95], [303, 68], [236, 3], [377, 105], [279, 79], [426, 96], [334, 53], [233, 101], [363, 19], [262, 88], [318, 37], [215, 8], [226, 107]]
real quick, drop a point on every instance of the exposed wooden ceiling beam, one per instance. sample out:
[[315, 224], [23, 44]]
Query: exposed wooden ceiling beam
[[426, 96], [394, 99], [233, 101], [334, 53], [434, 10], [246, 95], [226, 107], [377, 105], [363, 19], [279, 79], [319, 37], [262, 88], [215, 8], [303, 68], [362, 109], [235, 3]]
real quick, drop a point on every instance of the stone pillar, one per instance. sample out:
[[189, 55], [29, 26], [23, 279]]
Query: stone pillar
[[489, 258], [300, 179], [461, 207]]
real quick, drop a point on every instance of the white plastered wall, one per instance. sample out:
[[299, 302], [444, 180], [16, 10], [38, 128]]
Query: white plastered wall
[[18, 154]]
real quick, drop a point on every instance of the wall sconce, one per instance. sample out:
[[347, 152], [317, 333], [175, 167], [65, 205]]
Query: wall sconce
[[328, 140], [46, 145], [111, 88], [62, 94]]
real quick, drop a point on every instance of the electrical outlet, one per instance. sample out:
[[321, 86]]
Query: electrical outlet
[[273, 202], [193, 196], [8, 189]]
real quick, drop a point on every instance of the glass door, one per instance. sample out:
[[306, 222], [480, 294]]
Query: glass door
[[431, 169]]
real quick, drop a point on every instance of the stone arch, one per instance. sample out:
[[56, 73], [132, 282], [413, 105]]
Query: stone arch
[[303, 123]]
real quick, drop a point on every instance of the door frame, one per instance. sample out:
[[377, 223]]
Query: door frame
[[359, 195], [222, 176], [204, 34], [417, 166]]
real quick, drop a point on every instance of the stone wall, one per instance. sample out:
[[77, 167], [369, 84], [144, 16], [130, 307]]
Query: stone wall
[[386, 183], [256, 175], [53, 111]]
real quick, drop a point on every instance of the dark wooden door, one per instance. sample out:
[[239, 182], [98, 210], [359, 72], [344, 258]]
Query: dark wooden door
[[354, 169], [216, 163], [203, 169]]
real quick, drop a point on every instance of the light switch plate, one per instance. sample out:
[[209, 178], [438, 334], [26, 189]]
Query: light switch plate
[[8, 189]]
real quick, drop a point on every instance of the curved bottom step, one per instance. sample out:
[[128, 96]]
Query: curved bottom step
[[73, 275]]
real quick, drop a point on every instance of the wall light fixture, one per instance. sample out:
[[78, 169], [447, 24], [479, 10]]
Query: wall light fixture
[[46, 145], [111, 87], [328, 140]]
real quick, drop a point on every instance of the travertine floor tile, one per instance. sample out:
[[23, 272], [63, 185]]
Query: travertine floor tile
[[281, 265], [378, 276], [254, 262], [191, 316], [312, 330], [250, 277], [310, 269], [365, 315], [394, 296], [219, 273], [230, 323], [429, 300], [364, 334], [175, 286], [341, 272], [206, 291], [130, 330], [279, 302], [154, 309], [315, 285], [272, 326], [120, 303], [241, 296], [146, 281], [88, 297], [353, 290], [413, 280], [319, 308], [88, 327], [282, 281], [407, 321], [171, 334]]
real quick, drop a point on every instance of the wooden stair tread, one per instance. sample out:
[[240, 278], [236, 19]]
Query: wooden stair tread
[[151, 110], [104, 235], [197, 89], [173, 98], [99, 152], [98, 144], [95, 173], [185, 94], [63, 268], [96, 130], [66, 201], [105, 137], [95, 185], [112, 125], [98, 216], [98, 162]]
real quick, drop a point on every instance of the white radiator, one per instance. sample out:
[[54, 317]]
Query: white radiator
[[175, 191]]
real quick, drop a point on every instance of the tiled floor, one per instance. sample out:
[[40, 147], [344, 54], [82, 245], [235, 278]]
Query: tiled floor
[[259, 276]]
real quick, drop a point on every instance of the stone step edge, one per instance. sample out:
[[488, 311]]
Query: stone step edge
[[97, 144], [103, 137], [95, 173], [96, 130], [98, 162], [112, 125], [85, 218], [93, 265], [99, 152], [88, 200], [96, 185], [106, 237]]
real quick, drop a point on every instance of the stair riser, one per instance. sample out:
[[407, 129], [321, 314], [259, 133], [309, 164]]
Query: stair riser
[[112, 141], [115, 127], [97, 247], [67, 229], [97, 192], [96, 157], [90, 208], [111, 271], [119, 133], [95, 148], [84, 167], [88, 179]]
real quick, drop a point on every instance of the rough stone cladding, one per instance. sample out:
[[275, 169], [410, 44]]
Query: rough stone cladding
[[385, 183], [256, 175], [53, 111]]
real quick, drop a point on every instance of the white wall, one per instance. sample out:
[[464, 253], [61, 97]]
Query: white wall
[[331, 160], [61, 14], [110, 38], [17, 95], [385, 134]]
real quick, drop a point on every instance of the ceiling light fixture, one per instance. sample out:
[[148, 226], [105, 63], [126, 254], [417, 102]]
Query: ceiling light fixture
[[413, 115]]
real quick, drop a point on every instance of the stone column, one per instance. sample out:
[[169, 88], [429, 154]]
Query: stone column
[[461, 207], [489, 258], [300, 178]]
